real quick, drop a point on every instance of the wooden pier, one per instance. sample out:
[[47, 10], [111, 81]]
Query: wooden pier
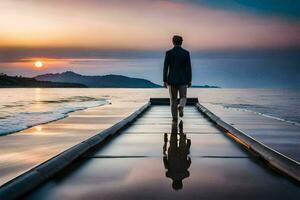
[[146, 156]]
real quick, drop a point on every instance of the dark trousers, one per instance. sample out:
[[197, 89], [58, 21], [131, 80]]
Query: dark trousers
[[174, 90]]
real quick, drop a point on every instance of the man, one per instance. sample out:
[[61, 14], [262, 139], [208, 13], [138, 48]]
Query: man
[[177, 76]]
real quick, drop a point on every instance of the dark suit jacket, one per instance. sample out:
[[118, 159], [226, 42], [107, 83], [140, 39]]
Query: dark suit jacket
[[177, 67]]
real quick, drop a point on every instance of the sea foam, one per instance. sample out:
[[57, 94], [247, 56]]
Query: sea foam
[[52, 110]]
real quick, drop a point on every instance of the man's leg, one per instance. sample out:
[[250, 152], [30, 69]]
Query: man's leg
[[182, 96], [173, 90]]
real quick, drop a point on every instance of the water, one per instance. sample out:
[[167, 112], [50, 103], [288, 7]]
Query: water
[[23, 108], [280, 104]]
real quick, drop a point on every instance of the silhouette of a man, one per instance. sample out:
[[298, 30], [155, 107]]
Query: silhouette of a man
[[176, 159], [177, 75]]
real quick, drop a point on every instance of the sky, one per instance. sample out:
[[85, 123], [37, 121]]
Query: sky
[[233, 43]]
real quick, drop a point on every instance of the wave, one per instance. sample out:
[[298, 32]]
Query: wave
[[252, 108], [67, 100], [23, 120]]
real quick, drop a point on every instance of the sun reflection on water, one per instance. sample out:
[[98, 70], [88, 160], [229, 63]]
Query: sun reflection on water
[[38, 129]]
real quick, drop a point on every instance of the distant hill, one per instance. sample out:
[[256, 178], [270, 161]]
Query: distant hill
[[205, 86], [16, 81], [70, 79], [107, 81]]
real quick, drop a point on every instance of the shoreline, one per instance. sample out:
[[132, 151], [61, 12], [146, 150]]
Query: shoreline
[[28, 148], [261, 114], [60, 118]]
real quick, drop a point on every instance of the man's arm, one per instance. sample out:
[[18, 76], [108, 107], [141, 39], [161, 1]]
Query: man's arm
[[165, 159], [166, 69], [189, 70]]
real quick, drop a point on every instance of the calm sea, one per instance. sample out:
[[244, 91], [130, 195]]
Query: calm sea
[[23, 108]]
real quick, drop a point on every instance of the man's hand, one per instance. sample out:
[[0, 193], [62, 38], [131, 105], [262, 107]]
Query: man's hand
[[165, 84], [190, 84]]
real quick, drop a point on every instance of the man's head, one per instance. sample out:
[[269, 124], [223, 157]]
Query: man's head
[[177, 40], [177, 185]]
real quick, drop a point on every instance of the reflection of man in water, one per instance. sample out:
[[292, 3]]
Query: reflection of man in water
[[176, 159]]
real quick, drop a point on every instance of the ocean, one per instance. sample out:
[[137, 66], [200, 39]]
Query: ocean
[[21, 108]]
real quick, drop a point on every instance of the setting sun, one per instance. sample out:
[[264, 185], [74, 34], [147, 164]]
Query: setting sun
[[38, 64]]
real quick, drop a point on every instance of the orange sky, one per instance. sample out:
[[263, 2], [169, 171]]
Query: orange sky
[[138, 24]]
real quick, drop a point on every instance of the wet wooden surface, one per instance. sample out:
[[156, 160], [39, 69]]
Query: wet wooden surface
[[279, 135], [141, 164]]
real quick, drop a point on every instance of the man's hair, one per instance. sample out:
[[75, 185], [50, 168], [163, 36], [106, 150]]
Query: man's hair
[[177, 40], [177, 185]]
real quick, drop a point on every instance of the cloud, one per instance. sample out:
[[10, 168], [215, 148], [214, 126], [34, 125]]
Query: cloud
[[282, 8], [138, 25], [21, 54]]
